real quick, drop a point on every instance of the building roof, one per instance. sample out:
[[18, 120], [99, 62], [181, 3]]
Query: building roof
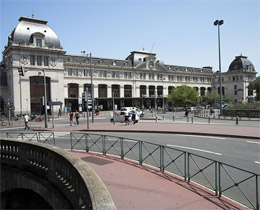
[[241, 63], [29, 26]]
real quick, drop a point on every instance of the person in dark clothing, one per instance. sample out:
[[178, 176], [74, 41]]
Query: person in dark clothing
[[77, 117]]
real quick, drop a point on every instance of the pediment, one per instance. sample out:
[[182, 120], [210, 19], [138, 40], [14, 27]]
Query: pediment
[[145, 65]]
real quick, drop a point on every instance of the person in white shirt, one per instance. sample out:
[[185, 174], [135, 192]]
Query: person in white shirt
[[26, 120]]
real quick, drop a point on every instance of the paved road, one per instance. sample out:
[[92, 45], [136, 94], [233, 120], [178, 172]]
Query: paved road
[[241, 152]]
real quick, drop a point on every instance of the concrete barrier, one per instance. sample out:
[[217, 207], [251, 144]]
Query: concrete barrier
[[60, 178]]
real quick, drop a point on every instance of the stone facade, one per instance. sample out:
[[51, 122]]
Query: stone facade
[[135, 81]]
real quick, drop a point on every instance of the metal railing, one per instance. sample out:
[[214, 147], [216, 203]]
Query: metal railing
[[44, 137], [224, 179]]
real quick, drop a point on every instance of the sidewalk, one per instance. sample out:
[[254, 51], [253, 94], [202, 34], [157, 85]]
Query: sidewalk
[[139, 187], [160, 127]]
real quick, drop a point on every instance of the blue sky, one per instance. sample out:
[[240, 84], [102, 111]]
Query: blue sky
[[181, 31]]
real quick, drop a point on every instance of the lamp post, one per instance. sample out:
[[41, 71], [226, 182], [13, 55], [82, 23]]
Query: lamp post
[[219, 23], [92, 88], [45, 99], [91, 81]]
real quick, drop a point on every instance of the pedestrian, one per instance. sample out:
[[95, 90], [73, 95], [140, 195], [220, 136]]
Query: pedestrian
[[71, 118], [133, 112], [186, 113], [126, 118], [59, 114], [26, 120], [77, 117]]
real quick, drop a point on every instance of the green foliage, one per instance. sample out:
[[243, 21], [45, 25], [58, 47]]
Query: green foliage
[[97, 109], [255, 85], [211, 98], [183, 96], [227, 99], [243, 106]]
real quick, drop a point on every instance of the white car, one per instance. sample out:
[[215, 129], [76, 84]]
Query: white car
[[120, 117]]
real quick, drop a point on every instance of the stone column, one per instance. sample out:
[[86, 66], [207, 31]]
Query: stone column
[[109, 91]]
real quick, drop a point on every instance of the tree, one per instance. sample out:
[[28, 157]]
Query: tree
[[255, 85], [212, 98], [183, 96]]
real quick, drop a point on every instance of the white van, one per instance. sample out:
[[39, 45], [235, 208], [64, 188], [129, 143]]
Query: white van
[[128, 109]]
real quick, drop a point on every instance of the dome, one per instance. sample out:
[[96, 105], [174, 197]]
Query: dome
[[241, 63], [29, 26]]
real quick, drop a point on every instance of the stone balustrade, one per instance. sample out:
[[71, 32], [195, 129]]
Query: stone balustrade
[[49, 168]]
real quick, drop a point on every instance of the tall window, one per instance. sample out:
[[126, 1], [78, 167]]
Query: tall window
[[38, 42], [32, 59], [39, 60], [75, 72], [46, 60], [70, 72]]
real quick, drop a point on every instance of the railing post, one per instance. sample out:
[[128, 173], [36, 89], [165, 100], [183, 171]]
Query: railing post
[[209, 120], [122, 147], [86, 142], [140, 152], [257, 192], [22, 135], [161, 158], [54, 143], [71, 141], [185, 168], [191, 119], [104, 144], [216, 178], [188, 166], [219, 180], [187, 118]]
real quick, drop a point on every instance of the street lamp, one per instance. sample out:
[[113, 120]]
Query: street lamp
[[91, 78], [219, 23], [45, 99]]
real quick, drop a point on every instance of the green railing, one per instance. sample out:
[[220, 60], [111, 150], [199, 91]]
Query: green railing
[[223, 179], [44, 137]]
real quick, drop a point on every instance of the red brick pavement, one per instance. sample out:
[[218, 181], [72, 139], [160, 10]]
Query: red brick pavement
[[139, 187]]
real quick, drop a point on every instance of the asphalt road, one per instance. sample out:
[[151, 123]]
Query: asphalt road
[[240, 152]]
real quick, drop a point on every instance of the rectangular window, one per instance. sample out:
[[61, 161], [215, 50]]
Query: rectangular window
[[39, 60], [113, 74], [235, 89], [32, 59], [70, 72], [125, 75], [85, 72], [117, 74], [38, 42], [75, 72], [46, 60]]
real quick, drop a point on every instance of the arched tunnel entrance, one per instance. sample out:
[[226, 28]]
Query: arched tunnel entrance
[[23, 199]]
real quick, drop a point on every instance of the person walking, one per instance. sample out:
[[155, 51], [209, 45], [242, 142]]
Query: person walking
[[71, 118], [133, 112], [77, 117], [26, 120]]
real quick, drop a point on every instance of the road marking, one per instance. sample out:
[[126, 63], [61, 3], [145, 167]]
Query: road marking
[[210, 137], [257, 162], [201, 150], [253, 142]]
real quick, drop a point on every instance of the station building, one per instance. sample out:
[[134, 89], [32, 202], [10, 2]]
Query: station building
[[140, 80]]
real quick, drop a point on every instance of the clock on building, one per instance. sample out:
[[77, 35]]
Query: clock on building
[[151, 65]]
